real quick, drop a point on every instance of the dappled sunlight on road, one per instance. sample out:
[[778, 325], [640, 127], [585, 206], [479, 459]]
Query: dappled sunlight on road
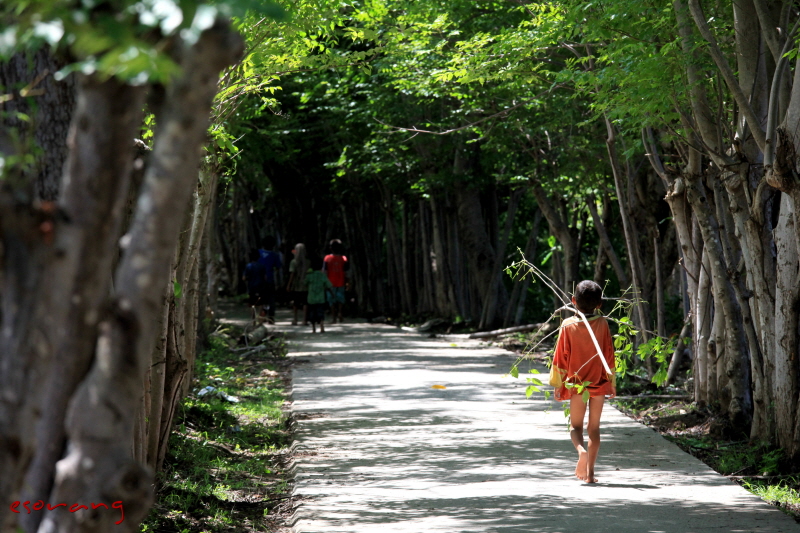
[[380, 449]]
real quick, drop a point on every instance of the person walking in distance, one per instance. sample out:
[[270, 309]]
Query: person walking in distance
[[335, 265], [297, 285], [272, 262], [318, 286], [255, 276]]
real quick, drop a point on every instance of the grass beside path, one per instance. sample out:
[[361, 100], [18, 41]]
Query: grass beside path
[[763, 470], [226, 466]]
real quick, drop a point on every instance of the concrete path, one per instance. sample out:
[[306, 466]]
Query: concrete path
[[379, 450]]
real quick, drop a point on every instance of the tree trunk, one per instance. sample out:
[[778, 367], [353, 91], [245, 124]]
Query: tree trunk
[[445, 303], [785, 377], [480, 255], [426, 305], [740, 405], [661, 327], [631, 240], [516, 304], [495, 286], [57, 272], [98, 465], [566, 235], [703, 318], [677, 355], [605, 243]]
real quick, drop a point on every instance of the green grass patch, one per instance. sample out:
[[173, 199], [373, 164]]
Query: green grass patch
[[735, 458], [760, 468], [783, 494], [223, 471]]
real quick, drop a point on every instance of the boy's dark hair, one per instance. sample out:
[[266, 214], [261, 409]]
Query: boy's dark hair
[[316, 262], [269, 242], [588, 295], [253, 254], [337, 248]]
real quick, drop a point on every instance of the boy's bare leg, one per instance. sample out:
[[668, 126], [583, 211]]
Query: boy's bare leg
[[322, 326], [593, 429], [577, 412]]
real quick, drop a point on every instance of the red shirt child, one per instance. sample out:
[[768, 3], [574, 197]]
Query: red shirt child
[[335, 266], [581, 363], [576, 358]]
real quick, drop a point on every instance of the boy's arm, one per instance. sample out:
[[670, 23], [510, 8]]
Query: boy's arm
[[560, 362], [561, 354], [608, 351]]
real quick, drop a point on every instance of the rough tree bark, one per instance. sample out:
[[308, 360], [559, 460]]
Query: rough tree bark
[[57, 263], [98, 465], [49, 108]]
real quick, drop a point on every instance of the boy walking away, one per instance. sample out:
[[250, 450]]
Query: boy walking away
[[271, 260], [255, 275], [579, 374], [318, 284], [335, 266]]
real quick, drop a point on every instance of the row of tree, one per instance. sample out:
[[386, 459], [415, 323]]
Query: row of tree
[[116, 133], [647, 135]]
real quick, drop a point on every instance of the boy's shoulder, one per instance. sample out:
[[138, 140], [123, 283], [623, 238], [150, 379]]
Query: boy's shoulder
[[570, 321], [573, 321]]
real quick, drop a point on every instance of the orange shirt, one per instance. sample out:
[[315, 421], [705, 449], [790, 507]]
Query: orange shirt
[[577, 361]]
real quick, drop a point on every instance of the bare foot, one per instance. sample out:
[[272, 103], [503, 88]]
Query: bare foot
[[590, 478], [580, 468]]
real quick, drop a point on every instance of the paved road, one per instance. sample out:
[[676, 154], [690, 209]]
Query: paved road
[[379, 450]]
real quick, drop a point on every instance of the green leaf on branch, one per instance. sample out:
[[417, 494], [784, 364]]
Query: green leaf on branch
[[177, 290]]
